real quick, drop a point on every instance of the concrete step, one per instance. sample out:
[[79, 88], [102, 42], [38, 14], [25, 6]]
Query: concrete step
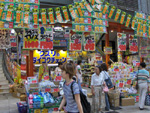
[[4, 86], [3, 93], [4, 90], [2, 78], [4, 82]]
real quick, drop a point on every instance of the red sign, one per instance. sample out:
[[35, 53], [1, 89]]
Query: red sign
[[121, 41], [133, 44]]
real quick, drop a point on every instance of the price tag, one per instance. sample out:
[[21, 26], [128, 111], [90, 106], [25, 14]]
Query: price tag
[[37, 111]]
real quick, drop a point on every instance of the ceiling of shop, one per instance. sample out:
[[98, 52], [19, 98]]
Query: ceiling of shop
[[54, 3]]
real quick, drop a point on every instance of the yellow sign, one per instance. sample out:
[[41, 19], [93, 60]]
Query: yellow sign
[[49, 57]]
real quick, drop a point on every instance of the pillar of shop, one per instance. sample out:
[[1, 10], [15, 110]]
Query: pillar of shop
[[107, 45], [31, 63], [119, 30]]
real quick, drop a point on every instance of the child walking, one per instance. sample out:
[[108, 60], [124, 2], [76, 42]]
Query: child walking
[[72, 105]]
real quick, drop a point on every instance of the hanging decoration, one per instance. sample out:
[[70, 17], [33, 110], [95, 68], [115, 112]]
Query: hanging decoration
[[117, 14], [111, 12], [51, 16], [26, 16], [65, 12], [72, 12], [43, 16], [105, 9], [75, 41], [35, 16], [1, 9], [18, 15], [88, 7], [121, 37], [89, 42], [123, 15], [133, 43], [77, 5], [9, 13], [58, 15], [127, 23], [133, 23]]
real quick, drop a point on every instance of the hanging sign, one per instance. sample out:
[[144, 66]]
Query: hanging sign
[[35, 16], [13, 41], [72, 12], [79, 9], [123, 15], [65, 12], [58, 14], [105, 8], [99, 1], [108, 50], [9, 13], [139, 25], [133, 44], [89, 8], [1, 9], [117, 14], [26, 16], [75, 41], [18, 15], [89, 42], [127, 23], [43, 16], [133, 23], [51, 16], [111, 12], [121, 41]]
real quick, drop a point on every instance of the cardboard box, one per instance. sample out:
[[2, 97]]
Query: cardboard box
[[16, 95], [21, 90], [114, 102], [89, 95], [114, 94], [127, 101], [23, 97]]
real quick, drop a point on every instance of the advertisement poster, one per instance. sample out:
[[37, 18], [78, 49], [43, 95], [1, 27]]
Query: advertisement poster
[[13, 41], [75, 41], [121, 37], [38, 39], [4, 39], [89, 42], [133, 44], [108, 50]]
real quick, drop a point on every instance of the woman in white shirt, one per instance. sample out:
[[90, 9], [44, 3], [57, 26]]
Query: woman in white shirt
[[98, 98], [79, 72]]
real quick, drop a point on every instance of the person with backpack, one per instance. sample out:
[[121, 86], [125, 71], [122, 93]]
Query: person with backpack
[[71, 95], [98, 98]]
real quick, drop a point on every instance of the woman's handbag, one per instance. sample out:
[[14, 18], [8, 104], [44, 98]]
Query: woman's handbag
[[105, 88], [108, 82], [147, 99], [137, 84]]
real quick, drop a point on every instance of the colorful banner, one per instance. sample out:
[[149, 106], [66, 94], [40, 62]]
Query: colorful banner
[[49, 57], [75, 41], [65, 12], [133, 44], [105, 9], [26, 16], [89, 42], [123, 15], [88, 7], [18, 15], [58, 15], [121, 37], [111, 12], [127, 23], [77, 5], [117, 14], [13, 41], [1, 9], [72, 12], [35, 16], [133, 23], [43, 16], [9, 13], [108, 50], [51, 16]]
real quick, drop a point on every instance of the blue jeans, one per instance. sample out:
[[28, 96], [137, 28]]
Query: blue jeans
[[107, 102]]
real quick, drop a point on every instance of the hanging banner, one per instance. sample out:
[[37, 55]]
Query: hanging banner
[[13, 41], [127, 23], [75, 41], [58, 15], [117, 14], [1, 9], [72, 12], [9, 13], [108, 50], [51, 16], [18, 15], [133, 44], [123, 15], [89, 42], [105, 9], [88, 7], [65, 12], [111, 12], [99, 1], [77, 5], [26, 16], [138, 25], [43, 16], [121, 37], [133, 23], [35, 17]]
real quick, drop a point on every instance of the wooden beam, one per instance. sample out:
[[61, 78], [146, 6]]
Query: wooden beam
[[31, 63]]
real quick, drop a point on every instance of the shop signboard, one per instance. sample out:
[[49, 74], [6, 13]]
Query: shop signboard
[[75, 41], [108, 50], [13, 41], [121, 41], [89, 42], [49, 57], [133, 44], [38, 39]]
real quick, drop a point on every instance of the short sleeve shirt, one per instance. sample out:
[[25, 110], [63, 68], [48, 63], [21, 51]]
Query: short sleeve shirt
[[71, 103]]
